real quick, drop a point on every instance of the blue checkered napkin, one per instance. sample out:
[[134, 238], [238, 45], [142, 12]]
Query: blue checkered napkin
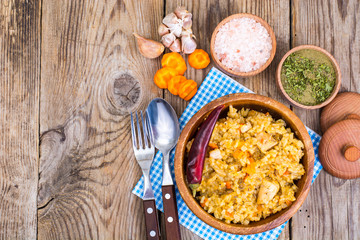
[[215, 85]]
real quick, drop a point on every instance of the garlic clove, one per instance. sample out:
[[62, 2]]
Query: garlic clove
[[173, 23], [149, 48], [188, 44], [170, 19], [176, 46], [168, 39], [163, 30], [187, 32], [187, 22], [180, 12], [176, 30]]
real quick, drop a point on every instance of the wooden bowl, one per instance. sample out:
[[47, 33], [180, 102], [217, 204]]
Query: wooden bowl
[[334, 64], [243, 74], [259, 103]]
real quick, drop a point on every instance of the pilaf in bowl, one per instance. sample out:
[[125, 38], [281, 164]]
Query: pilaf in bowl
[[250, 171], [258, 168]]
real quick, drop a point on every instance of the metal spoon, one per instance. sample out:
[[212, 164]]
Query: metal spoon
[[165, 131]]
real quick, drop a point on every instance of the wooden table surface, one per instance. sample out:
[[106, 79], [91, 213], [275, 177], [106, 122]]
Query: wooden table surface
[[69, 74]]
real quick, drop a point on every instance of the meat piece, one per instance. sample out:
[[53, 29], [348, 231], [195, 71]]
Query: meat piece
[[268, 190], [265, 141], [215, 154], [245, 127]]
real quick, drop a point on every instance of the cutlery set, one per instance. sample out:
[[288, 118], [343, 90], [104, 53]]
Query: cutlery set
[[160, 129]]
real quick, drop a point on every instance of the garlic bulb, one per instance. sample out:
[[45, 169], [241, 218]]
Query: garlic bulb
[[149, 48], [176, 32]]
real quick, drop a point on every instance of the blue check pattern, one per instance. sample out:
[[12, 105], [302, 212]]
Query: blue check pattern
[[215, 85]]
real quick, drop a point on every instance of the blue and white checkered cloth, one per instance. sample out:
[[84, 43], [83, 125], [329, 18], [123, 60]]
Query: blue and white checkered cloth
[[215, 85]]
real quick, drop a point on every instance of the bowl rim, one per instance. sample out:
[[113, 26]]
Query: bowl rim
[[257, 19], [192, 202], [334, 63]]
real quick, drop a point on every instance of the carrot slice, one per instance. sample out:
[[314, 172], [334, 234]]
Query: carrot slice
[[213, 145]]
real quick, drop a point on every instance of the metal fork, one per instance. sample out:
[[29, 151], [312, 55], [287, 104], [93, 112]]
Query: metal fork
[[144, 153]]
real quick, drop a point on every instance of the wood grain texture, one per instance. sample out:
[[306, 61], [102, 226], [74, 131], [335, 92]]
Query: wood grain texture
[[346, 105], [206, 16], [331, 211], [19, 111], [92, 75]]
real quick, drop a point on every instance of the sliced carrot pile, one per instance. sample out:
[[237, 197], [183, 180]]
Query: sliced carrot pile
[[170, 76]]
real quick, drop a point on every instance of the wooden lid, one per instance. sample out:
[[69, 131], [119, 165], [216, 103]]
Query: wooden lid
[[339, 149], [344, 106]]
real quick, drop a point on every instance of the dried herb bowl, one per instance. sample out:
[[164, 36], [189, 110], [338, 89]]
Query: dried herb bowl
[[258, 103], [334, 64]]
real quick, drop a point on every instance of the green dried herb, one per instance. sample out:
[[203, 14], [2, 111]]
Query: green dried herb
[[308, 77]]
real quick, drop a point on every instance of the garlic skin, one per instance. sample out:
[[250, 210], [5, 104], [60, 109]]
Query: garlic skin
[[176, 46], [168, 39], [149, 48]]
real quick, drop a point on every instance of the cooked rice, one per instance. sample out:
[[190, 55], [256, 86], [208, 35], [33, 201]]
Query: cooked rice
[[235, 171]]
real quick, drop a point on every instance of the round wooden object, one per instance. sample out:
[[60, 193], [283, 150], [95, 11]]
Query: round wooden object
[[334, 64], [259, 103], [243, 74], [339, 149], [344, 106]]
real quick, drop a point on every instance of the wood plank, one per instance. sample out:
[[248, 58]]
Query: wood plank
[[330, 211], [19, 108], [91, 77], [206, 16]]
